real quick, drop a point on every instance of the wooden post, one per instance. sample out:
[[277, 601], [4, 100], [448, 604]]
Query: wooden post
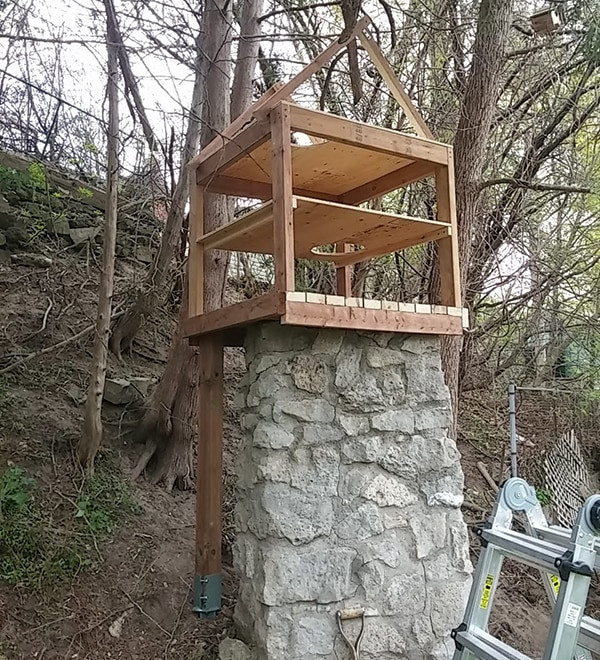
[[344, 274], [283, 199], [196, 254], [209, 476], [450, 288]]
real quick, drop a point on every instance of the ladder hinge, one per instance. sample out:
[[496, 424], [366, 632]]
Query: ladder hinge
[[566, 566], [479, 532], [454, 633]]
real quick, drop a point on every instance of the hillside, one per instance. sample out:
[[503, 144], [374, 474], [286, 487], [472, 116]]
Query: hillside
[[103, 568]]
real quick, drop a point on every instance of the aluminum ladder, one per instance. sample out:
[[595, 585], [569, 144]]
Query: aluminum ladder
[[566, 559]]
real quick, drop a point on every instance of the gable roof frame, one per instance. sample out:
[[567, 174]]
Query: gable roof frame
[[283, 91]]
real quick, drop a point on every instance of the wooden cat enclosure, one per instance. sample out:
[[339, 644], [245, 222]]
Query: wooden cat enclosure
[[312, 195]]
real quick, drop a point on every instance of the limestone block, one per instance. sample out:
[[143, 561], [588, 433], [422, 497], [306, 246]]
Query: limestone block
[[310, 374], [378, 357], [307, 574], [405, 593], [429, 531], [328, 342], [347, 366], [306, 410], [445, 491], [394, 547], [313, 634], [353, 424], [318, 434], [361, 522], [446, 603], [270, 383], [391, 380], [433, 418], [402, 419], [425, 383], [364, 396], [363, 449], [281, 511], [270, 435]]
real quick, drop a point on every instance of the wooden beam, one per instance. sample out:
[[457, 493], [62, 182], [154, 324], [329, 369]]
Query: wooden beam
[[276, 94], [209, 473], [343, 275], [389, 182], [283, 199], [243, 143], [450, 285], [359, 318], [196, 253], [267, 306], [398, 92], [228, 185], [384, 140]]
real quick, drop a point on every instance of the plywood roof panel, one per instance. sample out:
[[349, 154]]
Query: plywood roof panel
[[327, 167]]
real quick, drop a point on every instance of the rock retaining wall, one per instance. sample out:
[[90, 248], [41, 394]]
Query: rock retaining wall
[[349, 494]]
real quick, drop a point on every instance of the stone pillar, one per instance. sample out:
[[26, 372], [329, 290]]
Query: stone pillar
[[349, 493]]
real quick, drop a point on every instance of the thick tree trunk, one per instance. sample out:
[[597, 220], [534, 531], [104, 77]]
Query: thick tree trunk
[[169, 425], [91, 438], [477, 112]]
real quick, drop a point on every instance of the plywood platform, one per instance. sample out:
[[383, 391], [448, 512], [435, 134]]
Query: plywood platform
[[320, 223]]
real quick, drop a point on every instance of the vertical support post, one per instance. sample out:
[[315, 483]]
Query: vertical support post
[[344, 274], [450, 293], [283, 199], [512, 415], [196, 253], [209, 471]]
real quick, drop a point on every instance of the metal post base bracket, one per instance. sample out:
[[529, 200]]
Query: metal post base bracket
[[207, 595]]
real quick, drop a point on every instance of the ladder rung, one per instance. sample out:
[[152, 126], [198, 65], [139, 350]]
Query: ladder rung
[[533, 552], [561, 536], [486, 647], [589, 634]]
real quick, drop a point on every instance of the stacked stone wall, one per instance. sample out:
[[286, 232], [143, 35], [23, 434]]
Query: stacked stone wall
[[349, 493]]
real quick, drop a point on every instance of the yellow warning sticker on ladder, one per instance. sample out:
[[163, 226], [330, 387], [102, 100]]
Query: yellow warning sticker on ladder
[[555, 583], [487, 590]]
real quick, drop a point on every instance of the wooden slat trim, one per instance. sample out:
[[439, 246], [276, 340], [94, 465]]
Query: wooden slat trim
[[243, 143], [390, 78], [267, 306], [384, 140], [360, 318], [387, 183]]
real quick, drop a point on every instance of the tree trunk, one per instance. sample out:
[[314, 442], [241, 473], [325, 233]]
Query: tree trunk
[[153, 290], [169, 425], [91, 438], [476, 114]]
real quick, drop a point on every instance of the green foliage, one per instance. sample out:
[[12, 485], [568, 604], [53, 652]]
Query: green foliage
[[104, 501], [34, 550], [91, 147], [33, 553], [545, 496], [85, 192], [38, 176]]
